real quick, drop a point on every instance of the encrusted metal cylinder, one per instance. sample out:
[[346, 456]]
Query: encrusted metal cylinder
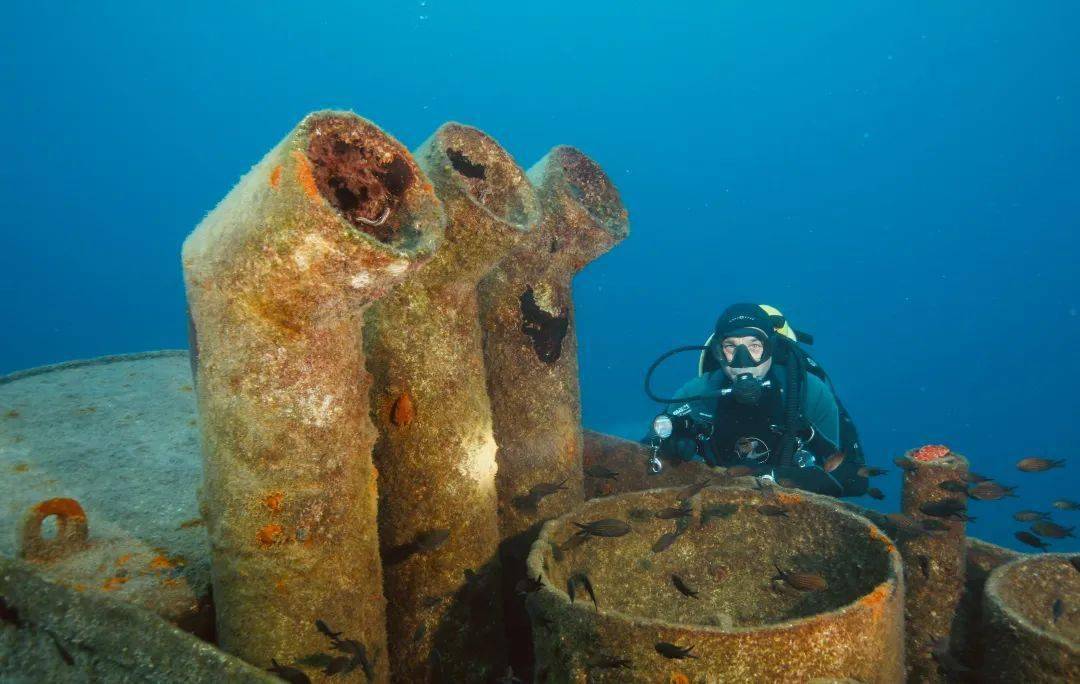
[[732, 584], [614, 465], [1032, 622], [934, 563], [278, 276], [438, 514], [530, 354]]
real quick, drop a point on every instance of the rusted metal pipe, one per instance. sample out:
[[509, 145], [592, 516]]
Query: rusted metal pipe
[[278, 276], [530, 354], [438, 515], [934, 563]]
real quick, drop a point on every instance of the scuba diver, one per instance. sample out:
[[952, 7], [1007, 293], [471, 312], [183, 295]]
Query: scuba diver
[[760, 400]]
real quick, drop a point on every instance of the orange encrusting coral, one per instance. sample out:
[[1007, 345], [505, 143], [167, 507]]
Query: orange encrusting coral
[[269, 535], [403, 412], [275, 176], [930, 452], [273, 501], [304, 174], [61, 507], [114, 583]]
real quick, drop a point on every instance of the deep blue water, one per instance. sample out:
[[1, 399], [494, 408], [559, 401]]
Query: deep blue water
[[901, 178]]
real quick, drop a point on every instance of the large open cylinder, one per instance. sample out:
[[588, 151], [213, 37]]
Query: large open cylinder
[[438, 514], [1032, 622], [278, 276], [772, 586], [530, 354], [934, 563]]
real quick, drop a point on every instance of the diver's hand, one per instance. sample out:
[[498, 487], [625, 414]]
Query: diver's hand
[[812, 479]]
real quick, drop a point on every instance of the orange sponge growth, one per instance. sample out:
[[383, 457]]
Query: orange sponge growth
[[931, 452]]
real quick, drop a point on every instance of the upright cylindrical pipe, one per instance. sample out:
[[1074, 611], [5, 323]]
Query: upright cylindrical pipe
[[438, 515], [278, 276], [530, 354], [934, 563]]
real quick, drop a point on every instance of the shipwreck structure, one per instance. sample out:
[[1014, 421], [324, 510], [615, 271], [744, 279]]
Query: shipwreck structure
[[370, 467]]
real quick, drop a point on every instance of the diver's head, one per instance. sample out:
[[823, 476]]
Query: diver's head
[[742, 343]]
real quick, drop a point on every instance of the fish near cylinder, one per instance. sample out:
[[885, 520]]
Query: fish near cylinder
[[530, 355], [725, 584], [1031, 622], [933, 495], [278, 276], [438, 513]]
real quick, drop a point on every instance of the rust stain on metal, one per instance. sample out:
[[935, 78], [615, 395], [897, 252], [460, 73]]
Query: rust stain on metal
[[403, 412]]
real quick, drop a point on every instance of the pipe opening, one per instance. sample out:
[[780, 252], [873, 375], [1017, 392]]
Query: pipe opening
[[592, 189], [488, 174], [361, 173], [544, 327]]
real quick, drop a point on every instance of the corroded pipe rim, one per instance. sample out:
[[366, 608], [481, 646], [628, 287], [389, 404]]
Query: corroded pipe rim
[[535, 564], [992, 590], [399, 179], [616, 223], [92, 361], [523, 188]]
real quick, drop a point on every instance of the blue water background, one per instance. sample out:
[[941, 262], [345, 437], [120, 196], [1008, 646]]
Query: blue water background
[[901, 178]]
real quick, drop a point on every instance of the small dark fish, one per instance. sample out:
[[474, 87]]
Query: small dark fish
[[875, 493], [1031, 540], [903, 523], [543, 489], [738, 471], [924, 565], [1066, 505], [1045, 528], [528, 585], [610, 662], [602, 472], [869, 471], [772, 511], [1030, 516], [63, 652], [1033, 464], [787, 483], [419, 633], [664, 542], [1057, 609], [991, 491], [974, 478], [575, 540], [935, 525], [674, 652], [608, 527], [582, 579], [289, 674], [687, 492], [508, 677], [803, 581], [674, 512], [905, 463], [833, 462], [321, 626], [683, 588], [946, 508], [431, 540], [954, 486], [718, 511], [640, 514]]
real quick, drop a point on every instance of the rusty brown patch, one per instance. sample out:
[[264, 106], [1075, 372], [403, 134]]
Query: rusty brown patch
[[194, 522], [304, 175], [275, 177], [273, 501], [269, 535], [402, 412], [114, 583]]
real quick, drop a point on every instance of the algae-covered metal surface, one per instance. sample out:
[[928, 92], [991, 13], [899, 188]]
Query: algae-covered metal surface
[[117, 435], [438, 510], [729, 585], [1032, 621], [51, 633], [278, 276]]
